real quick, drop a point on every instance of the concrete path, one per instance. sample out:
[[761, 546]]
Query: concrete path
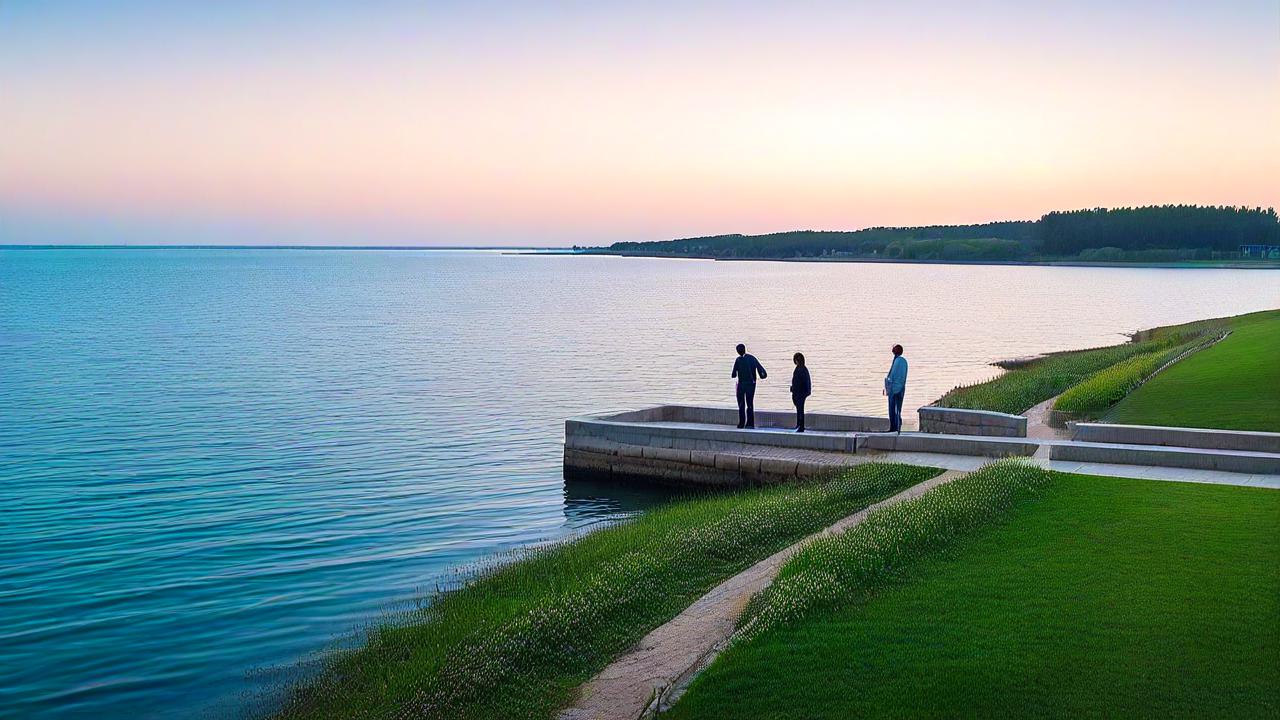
[[674, 652], [969, 463], [1038, 427]]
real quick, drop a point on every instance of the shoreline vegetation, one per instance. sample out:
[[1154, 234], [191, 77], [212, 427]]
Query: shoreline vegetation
[[1231, 384], [1154, 236]]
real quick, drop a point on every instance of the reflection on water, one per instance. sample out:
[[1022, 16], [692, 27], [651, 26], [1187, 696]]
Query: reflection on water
[[587, 501], [216, 462]]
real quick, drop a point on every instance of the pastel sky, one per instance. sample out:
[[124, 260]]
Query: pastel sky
[[588, 122]]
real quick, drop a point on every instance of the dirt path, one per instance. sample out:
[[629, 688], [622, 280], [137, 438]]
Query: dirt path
[[671, 654]]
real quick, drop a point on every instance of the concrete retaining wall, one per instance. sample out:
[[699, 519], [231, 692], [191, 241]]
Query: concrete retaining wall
[[683, 468], [1197, 459], [1177, 437], [954, 421]]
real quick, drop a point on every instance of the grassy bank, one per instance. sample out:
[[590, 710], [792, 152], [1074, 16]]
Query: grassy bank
[[1082, 597], [1233, 385], [516, 641], [1095, 395], [1031, 383]]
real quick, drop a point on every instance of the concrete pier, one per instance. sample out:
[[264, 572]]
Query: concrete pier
[[686, 445]]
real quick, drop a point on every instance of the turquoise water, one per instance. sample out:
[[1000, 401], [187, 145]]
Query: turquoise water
[[216, 463]]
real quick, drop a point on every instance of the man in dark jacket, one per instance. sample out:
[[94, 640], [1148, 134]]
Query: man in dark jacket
[[801, 388], [745, 369]]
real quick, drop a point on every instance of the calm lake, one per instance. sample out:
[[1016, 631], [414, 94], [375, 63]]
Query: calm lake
[[215, 464]]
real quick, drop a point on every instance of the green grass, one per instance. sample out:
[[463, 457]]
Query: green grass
[[517, 640], [1234, 385], [1029, 384], [1084, 597]]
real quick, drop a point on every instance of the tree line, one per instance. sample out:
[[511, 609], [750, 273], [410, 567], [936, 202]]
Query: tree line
[[1161, 227], [1153, 232]]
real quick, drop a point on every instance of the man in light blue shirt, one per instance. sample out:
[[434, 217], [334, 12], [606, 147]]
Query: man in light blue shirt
[[895, 386]]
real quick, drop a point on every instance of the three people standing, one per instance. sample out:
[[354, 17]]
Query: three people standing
[[745, 368]]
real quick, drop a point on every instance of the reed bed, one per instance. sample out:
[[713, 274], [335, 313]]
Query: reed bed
[[1024, 387], [518, 638], [1095, 395]]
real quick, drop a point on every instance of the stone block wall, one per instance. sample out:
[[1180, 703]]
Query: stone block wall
[[954, 421], [683, 468]]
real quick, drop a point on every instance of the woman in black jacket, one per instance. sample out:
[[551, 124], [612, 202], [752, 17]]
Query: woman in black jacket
[[801, 388]]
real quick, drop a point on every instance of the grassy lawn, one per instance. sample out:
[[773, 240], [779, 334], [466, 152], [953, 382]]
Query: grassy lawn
[[1089, 597], [1233, 385], [517, 640]]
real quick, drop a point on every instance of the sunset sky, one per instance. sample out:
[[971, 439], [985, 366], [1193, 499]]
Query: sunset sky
[[591, 122]]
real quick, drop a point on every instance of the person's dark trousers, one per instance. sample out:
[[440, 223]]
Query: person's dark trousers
[[895, 411], [799, 403], [746, 404]]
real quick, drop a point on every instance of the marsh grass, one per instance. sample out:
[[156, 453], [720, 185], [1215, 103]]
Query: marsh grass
[[1092, 397], [1033, 382], [517, 639]]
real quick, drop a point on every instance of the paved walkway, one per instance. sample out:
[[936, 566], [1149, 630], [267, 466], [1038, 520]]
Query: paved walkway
[[1038, 427], [670, 655]]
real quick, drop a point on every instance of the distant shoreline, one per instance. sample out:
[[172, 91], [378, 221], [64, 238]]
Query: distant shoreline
[[1211, 264]]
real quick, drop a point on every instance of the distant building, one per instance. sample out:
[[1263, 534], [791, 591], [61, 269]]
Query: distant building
[[1260, 252]]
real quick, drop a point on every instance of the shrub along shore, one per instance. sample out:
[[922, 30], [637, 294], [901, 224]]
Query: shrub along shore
[[518, 639]]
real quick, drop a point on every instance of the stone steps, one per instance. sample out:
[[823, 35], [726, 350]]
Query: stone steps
[[1247, 441], [1239, 461]]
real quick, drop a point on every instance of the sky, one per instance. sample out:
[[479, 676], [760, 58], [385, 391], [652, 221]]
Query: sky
[[546, 123]]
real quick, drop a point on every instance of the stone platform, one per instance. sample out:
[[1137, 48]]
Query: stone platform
[[693, 446]]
